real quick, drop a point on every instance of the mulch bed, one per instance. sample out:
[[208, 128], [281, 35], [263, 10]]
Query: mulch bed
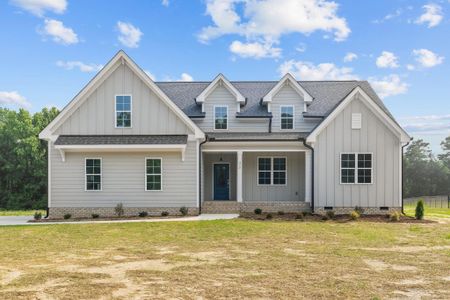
[[103, 219]]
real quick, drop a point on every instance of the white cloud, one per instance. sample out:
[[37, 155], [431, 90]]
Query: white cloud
[[13, 98], [427, 58], [432, 15], [151, 75], [350, 56], [389, 85], [389, 16], [165, 3], [186, 77], [301, 48], [254, 50], [324, 71], [59, 33], [410, 67], [431, 124], [39, 7], [129, 36], [387, 60], [87, 68]]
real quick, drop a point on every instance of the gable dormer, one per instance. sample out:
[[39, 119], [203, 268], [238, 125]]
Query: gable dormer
[[221, 81]]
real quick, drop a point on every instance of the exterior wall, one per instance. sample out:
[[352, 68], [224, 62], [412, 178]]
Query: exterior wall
[[123, 180], [96, 115], [374, 137], [367, 210], [208, 160]]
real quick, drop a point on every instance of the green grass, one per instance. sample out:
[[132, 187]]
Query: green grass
[[225, 259], [429, 211], [20, 212]]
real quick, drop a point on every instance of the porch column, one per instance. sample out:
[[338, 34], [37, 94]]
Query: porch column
[[239, 177], [308, 175]]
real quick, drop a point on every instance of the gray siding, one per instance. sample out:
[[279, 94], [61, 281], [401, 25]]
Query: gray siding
[[375, 137], [208, 160], [97, 114], [123, 180]]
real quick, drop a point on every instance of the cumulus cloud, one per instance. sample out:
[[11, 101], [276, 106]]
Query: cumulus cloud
[[129, 35], [350, 56], [397, 13], [13, 98], [432, 15], [83, 67], [427, 58], [387, 60], [431, 124], [40, 7], [308, 71], [165, 3], [59, 33], [254, 50], [390, 85], [186, 77]]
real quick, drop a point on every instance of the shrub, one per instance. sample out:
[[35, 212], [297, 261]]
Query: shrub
[[325, 218], [258, 211], [394, 216], [359, 210], [184, 210], [67, 216], [164, 213], [330, 214], [354, 215], [280, 212], [119, 210], [299, 216], [269, 216], [37, 215], [143, 214], [420, 210], [306, 213], [95, 216]]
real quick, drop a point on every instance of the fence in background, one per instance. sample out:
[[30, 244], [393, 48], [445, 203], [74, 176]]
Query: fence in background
[[442, 201]]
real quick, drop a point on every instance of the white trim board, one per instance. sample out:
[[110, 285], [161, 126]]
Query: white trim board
[[290, 80]]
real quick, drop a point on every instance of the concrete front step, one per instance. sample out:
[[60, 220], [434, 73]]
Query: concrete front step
[[214, 207]]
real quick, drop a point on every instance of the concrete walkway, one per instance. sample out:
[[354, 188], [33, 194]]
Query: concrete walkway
[[23, 220]]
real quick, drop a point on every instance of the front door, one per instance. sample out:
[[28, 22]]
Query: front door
[[221, 181]]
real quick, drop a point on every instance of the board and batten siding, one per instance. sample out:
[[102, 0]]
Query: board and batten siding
[[96, 115], [374, 137], [123, 180]]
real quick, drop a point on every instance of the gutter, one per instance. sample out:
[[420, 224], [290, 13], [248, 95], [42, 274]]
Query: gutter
[[200, 175], [403, 181], [312, 172]]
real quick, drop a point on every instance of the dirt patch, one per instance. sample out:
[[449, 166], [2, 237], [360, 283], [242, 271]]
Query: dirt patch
[[411, 281], [406, 249], [208, 256], [379, 266], [8, 275], [412, 294]]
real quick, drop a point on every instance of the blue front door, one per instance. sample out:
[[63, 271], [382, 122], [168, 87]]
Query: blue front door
[[221, 182]]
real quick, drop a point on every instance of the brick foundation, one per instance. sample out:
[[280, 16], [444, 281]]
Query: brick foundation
[[367, 210], [214, 207], [86, 212]]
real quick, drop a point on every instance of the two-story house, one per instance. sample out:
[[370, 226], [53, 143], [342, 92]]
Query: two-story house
[[222, 146]]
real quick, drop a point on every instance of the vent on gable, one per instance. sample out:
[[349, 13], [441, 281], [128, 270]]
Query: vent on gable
[[356, 121]]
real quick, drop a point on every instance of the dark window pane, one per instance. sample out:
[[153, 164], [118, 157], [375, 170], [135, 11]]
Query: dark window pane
[[279, 163], [264, 164], [279, 177], [264, 178]]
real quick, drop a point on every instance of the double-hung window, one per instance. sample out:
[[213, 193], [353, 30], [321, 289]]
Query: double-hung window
[[93, 174], [356, 168], [153, 174], [287, 116], [123, 111], [221, 117], [272, 171]]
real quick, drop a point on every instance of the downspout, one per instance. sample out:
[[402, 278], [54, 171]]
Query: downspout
[[200, 175], [312, 172], [403, 147]]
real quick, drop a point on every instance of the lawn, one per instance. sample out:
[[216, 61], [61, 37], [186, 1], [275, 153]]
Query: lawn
[[4, 213], [429, 211], [226, 259]]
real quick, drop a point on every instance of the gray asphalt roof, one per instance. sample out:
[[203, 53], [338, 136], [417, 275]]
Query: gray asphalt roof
[[248, 136], [327, 95], [121, 139]]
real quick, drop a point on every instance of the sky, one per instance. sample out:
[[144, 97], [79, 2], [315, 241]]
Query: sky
[[52, 48]]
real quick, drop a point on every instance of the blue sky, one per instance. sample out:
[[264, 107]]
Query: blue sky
[[52, 48]]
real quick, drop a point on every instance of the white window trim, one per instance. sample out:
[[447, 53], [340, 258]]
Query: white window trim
[[214, 117], [131, 111], [356, 169], [145, 174], [271, 171], [293, 117], [101, 174]]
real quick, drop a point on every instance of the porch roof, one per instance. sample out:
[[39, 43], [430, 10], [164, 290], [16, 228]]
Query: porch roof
[[256, 136], [121, 140]]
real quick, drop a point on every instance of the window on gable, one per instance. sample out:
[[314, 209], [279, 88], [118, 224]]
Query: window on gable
[[221, 117], [287, 117], [356, 168], [123, 111], [153, 174], [93, 174], [272, 171]]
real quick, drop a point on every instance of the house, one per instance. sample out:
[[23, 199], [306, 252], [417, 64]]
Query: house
[[222, 146]]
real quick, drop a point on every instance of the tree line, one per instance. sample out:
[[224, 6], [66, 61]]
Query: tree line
[[23, 162]]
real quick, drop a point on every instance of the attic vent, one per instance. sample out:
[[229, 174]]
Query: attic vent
[[356, 121]]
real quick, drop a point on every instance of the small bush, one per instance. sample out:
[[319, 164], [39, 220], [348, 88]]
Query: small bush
[[95, 216], [354, 215], [269, 216], [299, 217], [359, 210], [394, 216], [420, 210], [330, 214], [325, 218], [164, 213], [119, 210], [143, 214], [280, 213], [258, 211], [37, 215], [184, 211], [67, 216], [306, 213]]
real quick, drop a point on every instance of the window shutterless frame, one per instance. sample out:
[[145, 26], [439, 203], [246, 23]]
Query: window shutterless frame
[[215, 118], [86, 174], [150, 174], [287, 118], [130, 111], [272, 170], [355, 181]]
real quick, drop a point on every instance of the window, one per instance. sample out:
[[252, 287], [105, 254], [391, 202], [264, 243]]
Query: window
[[287, 117], [272, 170], [93, 174], [220, 117], [153, 177], [356, 168], [123, 111]]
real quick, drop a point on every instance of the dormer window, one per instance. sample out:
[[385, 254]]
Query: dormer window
[[287, 116], [221, 117], [123, 111]]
